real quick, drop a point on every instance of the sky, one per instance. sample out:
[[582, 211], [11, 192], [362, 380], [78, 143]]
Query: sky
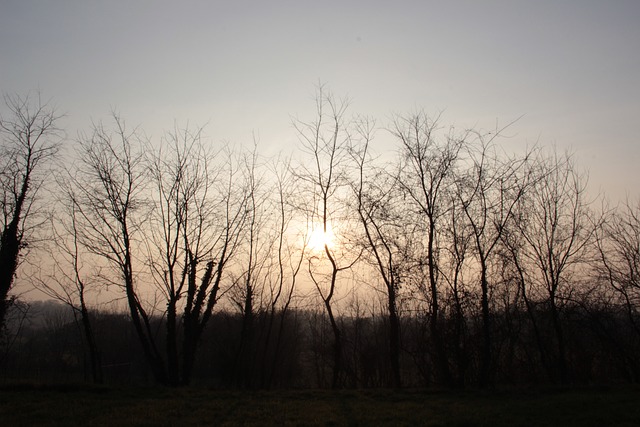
[[568, 69]]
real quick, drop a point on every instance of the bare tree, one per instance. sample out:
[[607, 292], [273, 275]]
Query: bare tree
[[255, 270], [456, 247], [427, 177], [290, 255], [108, 187], [326, 141], [488, 195], [67, 279], [555, 226], [163, 215], [618, 247], [196, 218], [380, 212], [30, 139]]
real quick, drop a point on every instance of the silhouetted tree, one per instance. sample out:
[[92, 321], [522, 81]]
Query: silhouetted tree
[[168, 208], [29, 140], [108, 187], [198, 211], [618, 245], [67, 279], [488, 193], [326, 141], [254, 268], [289, 255], [382, 217], [555, 229], [427, 178]]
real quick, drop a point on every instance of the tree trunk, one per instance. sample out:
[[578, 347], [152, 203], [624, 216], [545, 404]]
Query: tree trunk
[[486, 354], [394, 339], [441, 362], [337, 348], [140, 323], [563, 376], [244, 366], [94, 353], [10, 249], [173, 366]]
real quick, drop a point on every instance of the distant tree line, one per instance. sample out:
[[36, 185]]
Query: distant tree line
[[445, 261]]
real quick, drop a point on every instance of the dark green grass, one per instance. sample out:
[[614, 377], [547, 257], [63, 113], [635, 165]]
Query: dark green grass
[[69, 405]]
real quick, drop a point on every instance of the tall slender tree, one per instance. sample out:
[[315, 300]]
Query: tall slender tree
[[108, 186], [427, 177], [556, 229], [326, 141], [289, 256], [488, 194], [29, 139], [69, 280], [382, 217], [618, 249]]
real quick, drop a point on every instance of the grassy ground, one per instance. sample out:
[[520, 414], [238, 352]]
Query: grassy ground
[[30, 405]]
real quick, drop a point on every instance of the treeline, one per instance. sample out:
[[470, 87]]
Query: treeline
[[445, 260], [51, 348]]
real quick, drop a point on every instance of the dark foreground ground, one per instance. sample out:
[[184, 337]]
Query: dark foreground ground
[[70, 405]]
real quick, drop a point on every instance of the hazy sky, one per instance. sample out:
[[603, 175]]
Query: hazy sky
[[571, 67]]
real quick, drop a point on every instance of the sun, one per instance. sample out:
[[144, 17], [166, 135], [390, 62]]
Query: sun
[[318, 239]]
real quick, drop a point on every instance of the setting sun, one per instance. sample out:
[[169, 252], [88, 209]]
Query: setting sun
[[318, 238]]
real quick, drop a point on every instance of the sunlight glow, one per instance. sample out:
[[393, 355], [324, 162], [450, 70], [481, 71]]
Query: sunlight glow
[[318, 238]]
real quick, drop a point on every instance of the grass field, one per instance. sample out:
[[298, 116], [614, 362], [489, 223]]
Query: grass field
[[69, 405]]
